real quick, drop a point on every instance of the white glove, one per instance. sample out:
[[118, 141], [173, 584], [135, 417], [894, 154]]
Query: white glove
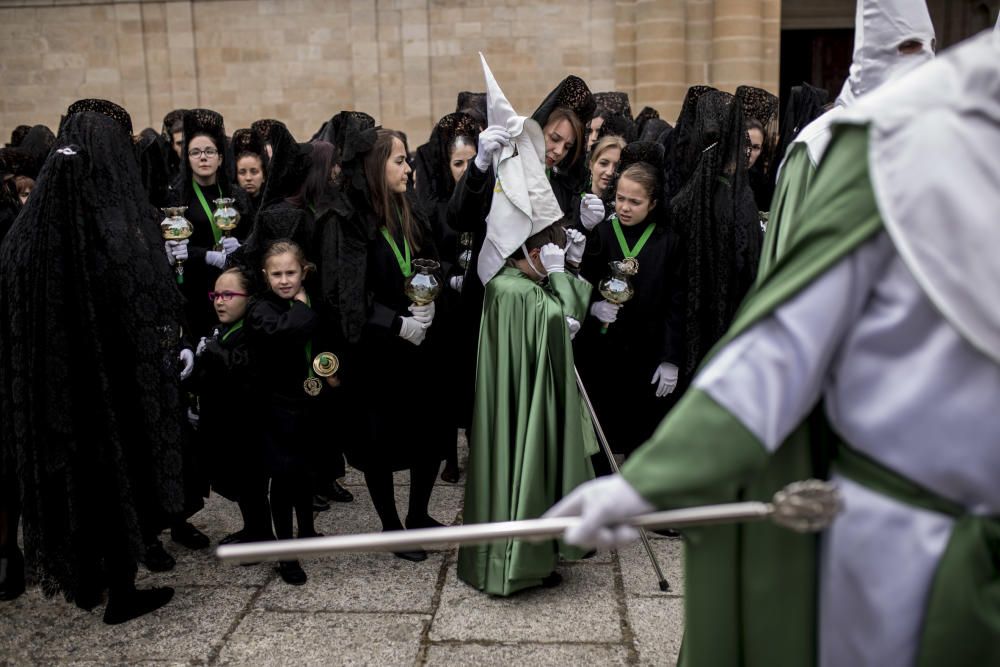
[[605, 311], [193, 418], [456, 283], [201, 346], [176, 251], [591, 211], [573, 325], [412, 331], [230, 244], [216, 259], [602, 505], [491, 140], [187, 358], [553, 258], [665, 379], [577, 242], [423, 314]]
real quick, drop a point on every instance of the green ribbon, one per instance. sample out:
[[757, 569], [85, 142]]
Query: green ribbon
[[216, 232], [404, 262], [634, 252], [233, 329], [961, 623]]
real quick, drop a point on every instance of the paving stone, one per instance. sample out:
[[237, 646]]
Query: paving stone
[[536, 655], [187, 629], [325, 638], [658, 625], [637, 571], [582, 608]]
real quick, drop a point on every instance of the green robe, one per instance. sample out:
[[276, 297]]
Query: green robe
[[752, 589], [531, 437], [796, 178]]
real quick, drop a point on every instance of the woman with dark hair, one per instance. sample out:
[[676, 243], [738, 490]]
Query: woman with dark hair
[[630, 368], [760, 109], [251, 164], [86, 294], [440, 164], [377, 234]]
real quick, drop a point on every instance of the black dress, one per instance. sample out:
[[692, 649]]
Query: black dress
[[617, 367]]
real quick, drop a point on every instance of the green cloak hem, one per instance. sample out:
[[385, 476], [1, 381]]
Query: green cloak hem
[[531, 437]]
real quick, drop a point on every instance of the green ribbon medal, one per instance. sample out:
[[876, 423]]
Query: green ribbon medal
[[631, 253], [312, 384], [404, 262], [216, 232]]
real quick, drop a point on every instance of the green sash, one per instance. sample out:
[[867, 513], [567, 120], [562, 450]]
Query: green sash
[[962, 618]]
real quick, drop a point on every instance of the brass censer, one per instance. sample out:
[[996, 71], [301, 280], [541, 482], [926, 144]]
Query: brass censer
[[423, 286], [617, 288], [225, 217], [175, 227]]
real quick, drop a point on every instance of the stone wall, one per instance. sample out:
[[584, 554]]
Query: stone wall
[[403, 61]]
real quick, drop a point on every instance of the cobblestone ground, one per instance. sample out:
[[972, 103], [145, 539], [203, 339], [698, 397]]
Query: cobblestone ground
[[365, 608]]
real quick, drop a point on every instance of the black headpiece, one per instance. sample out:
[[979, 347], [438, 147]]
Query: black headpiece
[[614, 102], [36, 145], [109, 109], [17, 136], [354, 134], [288, 166], [758, 104], [680, 155], [473, 104], [246, 140], [151, 152], [434, 180], [805, 104], [616, 125], [14, 161], [263, 127], [656, 129], [209, 123], [171, 119], [643, 118], [572, 93]]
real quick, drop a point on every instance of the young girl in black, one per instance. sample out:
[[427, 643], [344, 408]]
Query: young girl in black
[[282, 329]]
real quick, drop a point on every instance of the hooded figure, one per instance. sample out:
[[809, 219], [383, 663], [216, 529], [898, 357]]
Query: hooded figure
[[90, 398], [882, 287], [531, 438], [891, 38]]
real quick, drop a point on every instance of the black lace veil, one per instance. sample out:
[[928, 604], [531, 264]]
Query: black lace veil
[[572, 93], [434, 182]]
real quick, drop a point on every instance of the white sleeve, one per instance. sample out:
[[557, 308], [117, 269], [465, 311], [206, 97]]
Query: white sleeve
[[771, 375]]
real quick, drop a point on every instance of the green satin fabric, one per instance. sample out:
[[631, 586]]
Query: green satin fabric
[[962, 619], [752, 589], [531, 437], [796, 178]]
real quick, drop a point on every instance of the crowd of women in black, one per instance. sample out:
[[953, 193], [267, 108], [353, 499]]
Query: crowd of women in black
[[141, 373]]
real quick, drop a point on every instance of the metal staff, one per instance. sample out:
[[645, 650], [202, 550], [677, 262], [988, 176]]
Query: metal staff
[[807, 506], [664, 584]]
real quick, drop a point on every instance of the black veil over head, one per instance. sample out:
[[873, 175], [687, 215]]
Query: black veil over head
[[718, 222], [246, 140], [615, 102], [762, 106], [209, 123], [473, 104], [682, 149], [354, 134], [433, 174], [36, 145], [572, 93], [151, 152], [287, 168], [616, 125], [17, 135], [805, 104], [89, 392], [644, 116]]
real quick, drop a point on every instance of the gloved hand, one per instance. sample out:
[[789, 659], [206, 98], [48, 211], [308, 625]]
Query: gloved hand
[[605, 311], [456, 283], [230, 244], [591, 210], [577, 243], [412, 331], [193, 418], [186, 357], [216, 259], [553, 258], [423, 314], [602, 505], [176, 251], [491, 140], [201, 346], [665, 379], [573, 325]]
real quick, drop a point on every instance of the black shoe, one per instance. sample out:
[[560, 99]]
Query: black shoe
[[238, 537], [11, 575], [422, 522], [338, 493], [320, 503], [291, 572], [189, 536], [124, 607], [552, 580], [450, 473], [667, 532], [415, 556], [157, 558]]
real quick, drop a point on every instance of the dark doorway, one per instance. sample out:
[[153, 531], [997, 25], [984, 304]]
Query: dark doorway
[[821, 58]]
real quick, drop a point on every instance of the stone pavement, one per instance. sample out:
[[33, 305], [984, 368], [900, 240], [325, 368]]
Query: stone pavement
[[365, 608]]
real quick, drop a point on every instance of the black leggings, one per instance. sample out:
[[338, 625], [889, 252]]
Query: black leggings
[[292, 492], [380, 487]]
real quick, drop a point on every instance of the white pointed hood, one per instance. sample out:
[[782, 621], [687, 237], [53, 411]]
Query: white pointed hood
[[880, 27], [523, 202], [934, 138]]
